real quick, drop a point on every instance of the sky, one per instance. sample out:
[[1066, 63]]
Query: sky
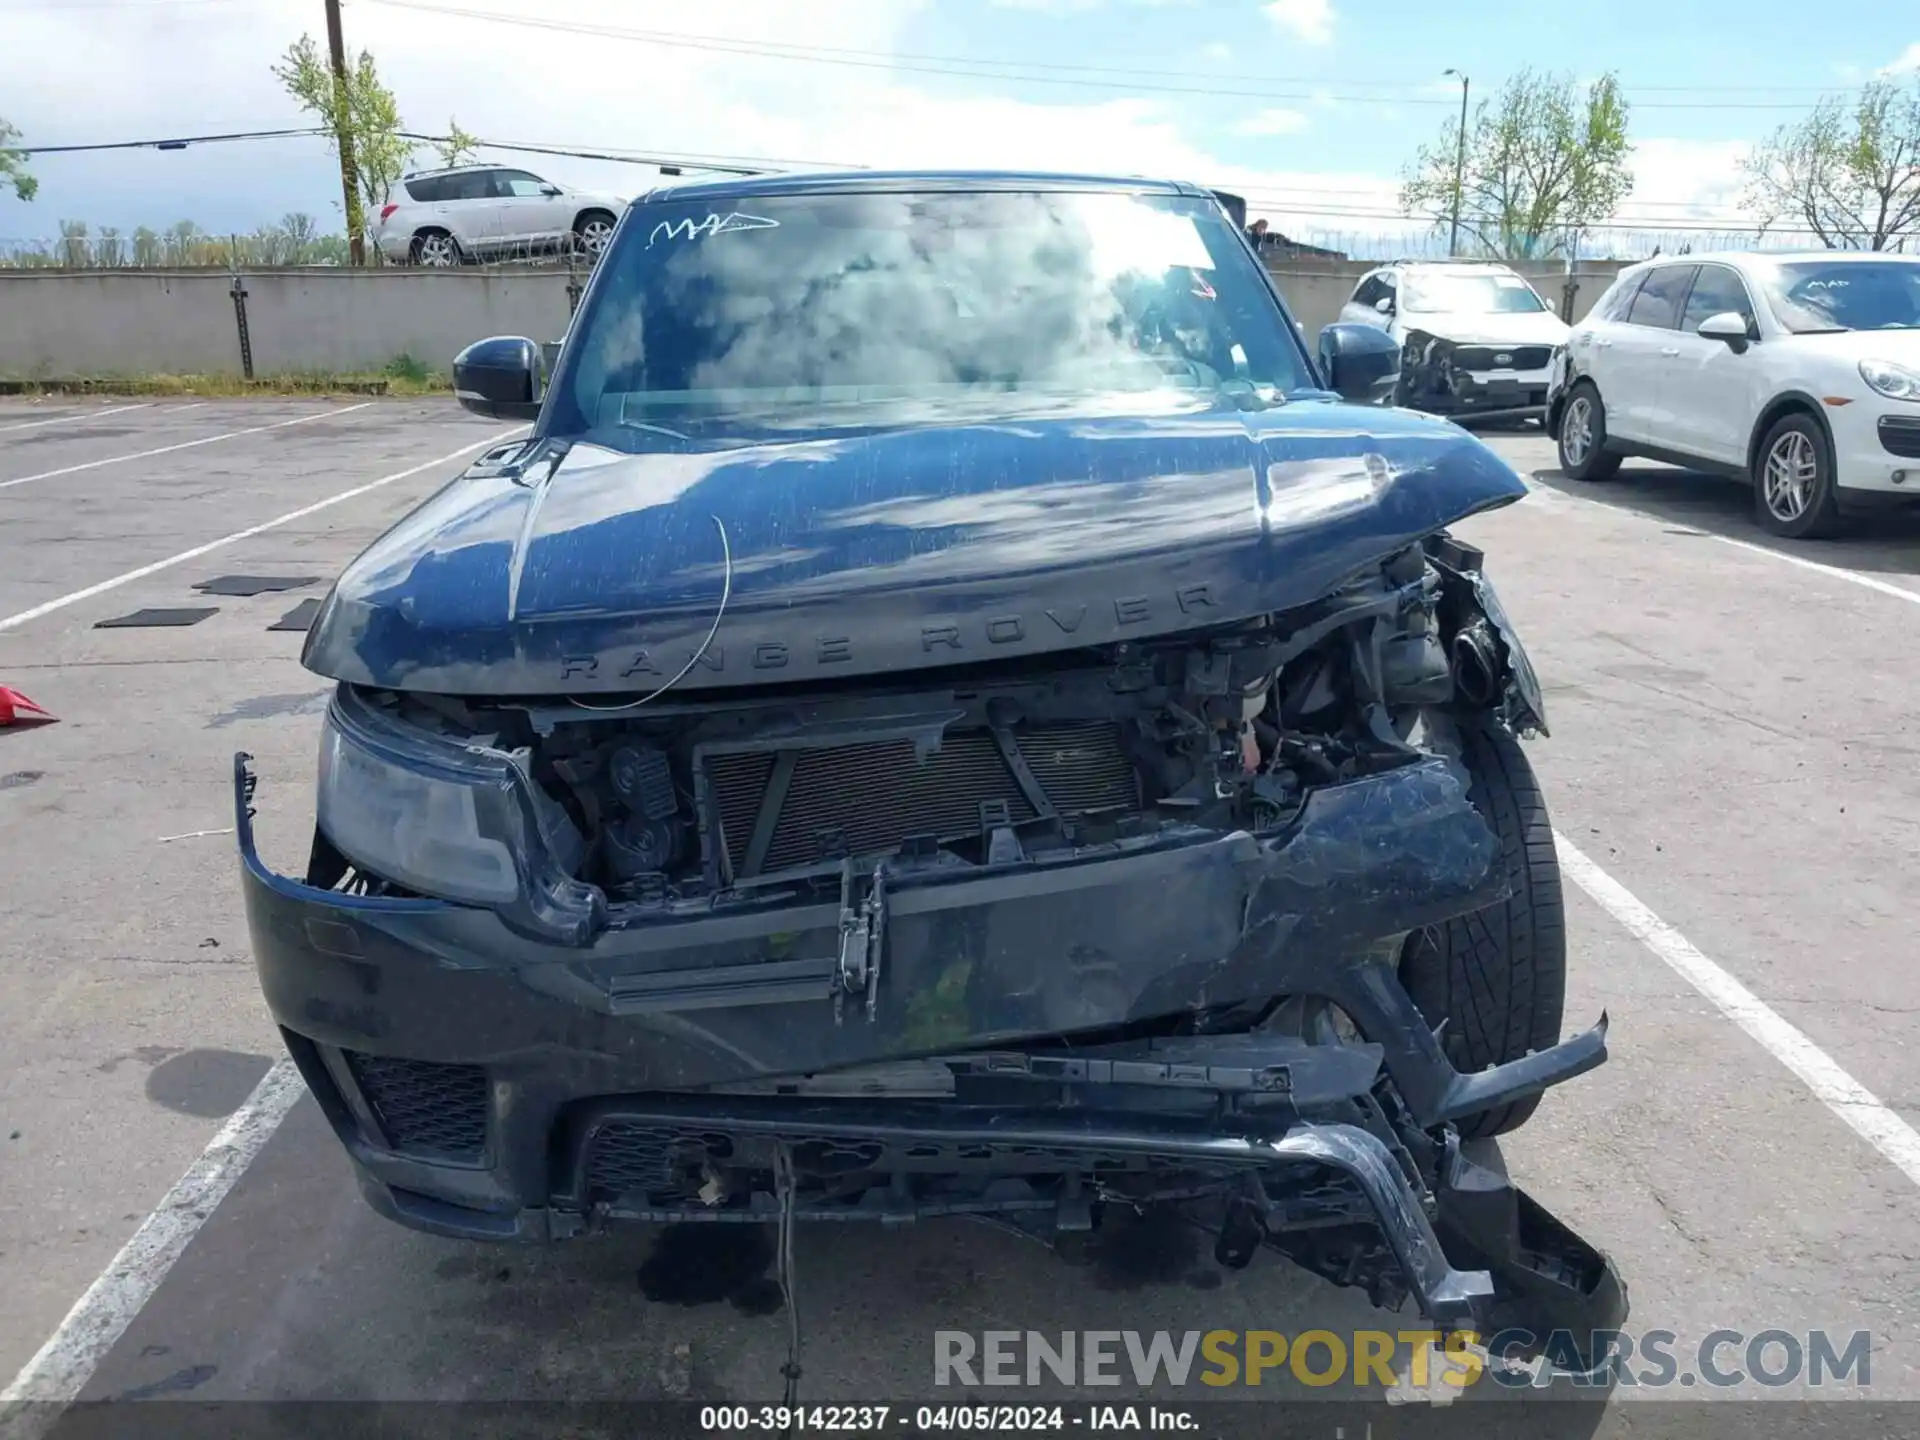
[[1310, 108]]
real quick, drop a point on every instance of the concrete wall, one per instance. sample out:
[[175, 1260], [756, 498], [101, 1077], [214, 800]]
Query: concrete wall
[[63, 324], [69, 324]]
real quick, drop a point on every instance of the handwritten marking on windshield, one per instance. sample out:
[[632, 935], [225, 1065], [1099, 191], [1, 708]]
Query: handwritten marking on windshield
[[730, 224]]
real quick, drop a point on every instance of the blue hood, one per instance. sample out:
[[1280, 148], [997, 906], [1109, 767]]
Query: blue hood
[[948, 540]]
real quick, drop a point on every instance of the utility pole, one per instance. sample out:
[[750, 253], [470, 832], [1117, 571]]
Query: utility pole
[[343, 138], [1459, 165]]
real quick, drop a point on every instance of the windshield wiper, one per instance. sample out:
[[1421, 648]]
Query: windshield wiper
[[655, 430]]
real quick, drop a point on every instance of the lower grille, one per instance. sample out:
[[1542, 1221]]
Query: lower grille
[[424, 1107], [1502, 357], [635, 1158], [1900, 434], [868, 799]]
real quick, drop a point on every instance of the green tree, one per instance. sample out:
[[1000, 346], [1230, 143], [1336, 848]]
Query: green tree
[[365, 110], [457, 147], [74, 250], [301, 234], [1849, 172], [146, 247], [109, 250], [13, 165], [182, 242], [1545, 160]]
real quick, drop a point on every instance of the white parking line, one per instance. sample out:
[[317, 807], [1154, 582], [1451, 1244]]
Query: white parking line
[[1831, 1085], [70, 419], [1853, 576], [48, 607], [1539, 488], [55, 1376], [183, 445]]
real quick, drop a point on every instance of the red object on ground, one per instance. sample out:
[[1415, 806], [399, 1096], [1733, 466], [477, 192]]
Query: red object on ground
[[16, 709]]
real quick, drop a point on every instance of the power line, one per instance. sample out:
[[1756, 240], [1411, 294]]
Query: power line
[[1305, 199], [950, 65], [176, 143]]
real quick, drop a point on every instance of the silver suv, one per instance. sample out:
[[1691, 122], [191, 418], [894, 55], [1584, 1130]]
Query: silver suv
[[446, 217]]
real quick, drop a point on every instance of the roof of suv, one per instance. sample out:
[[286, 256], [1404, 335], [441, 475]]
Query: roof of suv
[[1466, 265], [439, 170], [854, 181]]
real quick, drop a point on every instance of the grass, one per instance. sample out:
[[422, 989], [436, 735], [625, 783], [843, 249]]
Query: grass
[[403, 375]]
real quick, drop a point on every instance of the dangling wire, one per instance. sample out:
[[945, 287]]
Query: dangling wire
[[783, 1184], [726, 594]]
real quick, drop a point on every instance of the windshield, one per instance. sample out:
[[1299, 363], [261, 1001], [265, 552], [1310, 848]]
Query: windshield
[[1492, 294], [1846, 295], [772, 309]]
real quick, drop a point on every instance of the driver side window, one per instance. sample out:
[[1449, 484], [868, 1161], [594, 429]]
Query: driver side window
[[1372, 291]]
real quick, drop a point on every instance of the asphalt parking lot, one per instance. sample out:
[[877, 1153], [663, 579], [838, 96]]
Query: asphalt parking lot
[[1733, 747]]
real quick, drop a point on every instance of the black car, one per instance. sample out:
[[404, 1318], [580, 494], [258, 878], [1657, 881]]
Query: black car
[[948, 712]]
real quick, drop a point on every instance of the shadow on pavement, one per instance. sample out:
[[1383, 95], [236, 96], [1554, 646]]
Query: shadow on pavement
[[1885, 544]]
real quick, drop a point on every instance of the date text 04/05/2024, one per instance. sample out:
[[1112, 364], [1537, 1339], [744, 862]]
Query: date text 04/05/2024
[[990, 1419]]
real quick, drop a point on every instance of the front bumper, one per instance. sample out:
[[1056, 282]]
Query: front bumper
[[474, 1074], [1435, 378], [1876, 449]]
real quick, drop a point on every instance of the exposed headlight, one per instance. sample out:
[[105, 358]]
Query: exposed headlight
[[416, 828], [1896, 382]]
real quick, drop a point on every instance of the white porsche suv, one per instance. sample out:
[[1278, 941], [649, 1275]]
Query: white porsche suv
[[1797, 372]]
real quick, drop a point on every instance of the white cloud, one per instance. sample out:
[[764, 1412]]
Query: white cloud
[[1309, 21], [1691, 181], [1217, 50], [1273, 122], [1906, 62]]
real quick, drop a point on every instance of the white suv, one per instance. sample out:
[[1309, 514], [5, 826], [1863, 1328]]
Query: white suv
[[1475, 337], [1797, 372], [471, 212]]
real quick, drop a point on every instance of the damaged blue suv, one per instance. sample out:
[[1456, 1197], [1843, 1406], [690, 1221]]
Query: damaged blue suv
[[950, 710]]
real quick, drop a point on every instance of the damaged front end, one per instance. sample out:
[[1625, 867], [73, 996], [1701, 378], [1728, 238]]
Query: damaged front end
[[1477, 380], [1117, 925]]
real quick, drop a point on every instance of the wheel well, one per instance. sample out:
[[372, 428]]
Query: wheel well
[[1777, 410], [590, 212]]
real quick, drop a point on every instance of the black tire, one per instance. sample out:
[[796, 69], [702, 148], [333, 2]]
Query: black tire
[[1498, 978], [1799, 445], [435, 249], [592, 230], [1589, 458]]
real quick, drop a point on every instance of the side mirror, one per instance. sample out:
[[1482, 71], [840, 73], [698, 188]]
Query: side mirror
[[1357, 361], [1384, 304], [1729, 327], [551, 191], [499, 378]]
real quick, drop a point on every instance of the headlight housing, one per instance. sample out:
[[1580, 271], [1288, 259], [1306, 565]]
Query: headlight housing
[[409, 825], [1896, 382], [450, 821]]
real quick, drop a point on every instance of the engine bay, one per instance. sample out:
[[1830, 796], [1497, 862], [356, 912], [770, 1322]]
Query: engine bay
[[673, 799]]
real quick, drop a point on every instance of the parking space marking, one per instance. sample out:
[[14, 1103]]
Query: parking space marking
[[1871, 582], [183, 445], [57, 1374], [1846, 1097], [60, 603], [1538, 486], [83, 415]]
